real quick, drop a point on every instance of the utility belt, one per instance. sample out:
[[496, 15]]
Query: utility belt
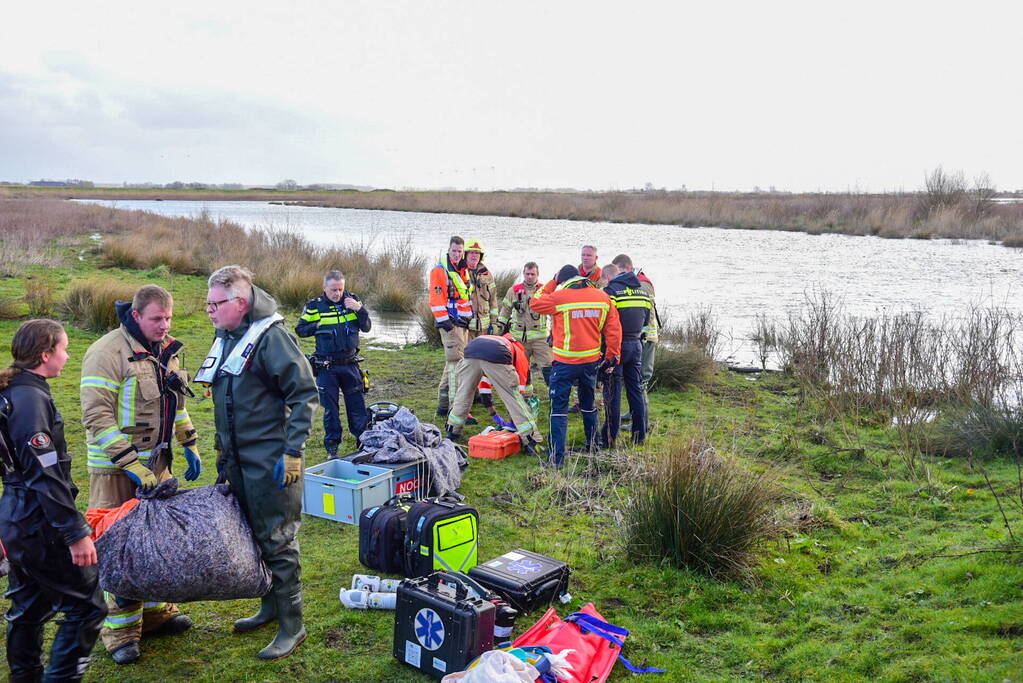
[[321, 363]]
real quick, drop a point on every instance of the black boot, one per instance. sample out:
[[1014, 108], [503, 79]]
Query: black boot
[[128, 653], [267, 613], [450, 434], [290, 631]]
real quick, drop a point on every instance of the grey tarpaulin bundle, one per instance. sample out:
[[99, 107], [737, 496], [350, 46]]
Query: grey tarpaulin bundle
[[403, 438], [182, 546]]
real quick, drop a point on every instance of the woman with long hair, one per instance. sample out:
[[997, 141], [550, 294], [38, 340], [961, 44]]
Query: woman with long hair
[[47, 540]]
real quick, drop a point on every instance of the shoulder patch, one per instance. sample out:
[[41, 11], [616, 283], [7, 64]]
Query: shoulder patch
[[40, 440]]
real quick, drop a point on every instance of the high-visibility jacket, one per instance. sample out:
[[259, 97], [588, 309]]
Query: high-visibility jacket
[[336, 328], [651, 329], [526, 324], [449, 293], [593, 276], [633, 304], [127, 402], [581, 316], [483, 296], [503, 351]]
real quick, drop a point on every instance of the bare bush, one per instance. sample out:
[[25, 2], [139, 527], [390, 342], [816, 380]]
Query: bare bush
[[699, 331], [90, 303]]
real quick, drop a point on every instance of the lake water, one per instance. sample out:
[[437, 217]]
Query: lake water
[[738, 273]]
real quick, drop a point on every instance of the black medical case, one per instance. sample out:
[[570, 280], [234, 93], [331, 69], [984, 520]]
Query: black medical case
[[382, 535], [527, 580], [439, 625], [441, 534]]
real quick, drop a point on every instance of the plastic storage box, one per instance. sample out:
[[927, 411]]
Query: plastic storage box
[[407, 478], [494, 445], [339, 490]]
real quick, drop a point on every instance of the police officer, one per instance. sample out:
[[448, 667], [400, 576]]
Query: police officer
[[51, 554], [335, 318], [634, 310]]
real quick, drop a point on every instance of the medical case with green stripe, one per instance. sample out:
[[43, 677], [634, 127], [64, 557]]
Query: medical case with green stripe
[[441, 534]]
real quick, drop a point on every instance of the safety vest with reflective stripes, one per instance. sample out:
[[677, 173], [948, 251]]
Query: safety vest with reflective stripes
[[651, 328], [449, 293], [582, 318], [633, 304], [123, 399], [335, 327], [527, 325]]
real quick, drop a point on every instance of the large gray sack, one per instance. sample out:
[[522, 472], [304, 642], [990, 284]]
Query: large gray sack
[[182, 546]]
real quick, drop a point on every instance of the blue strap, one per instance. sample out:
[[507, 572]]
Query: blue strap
[[588, 623]]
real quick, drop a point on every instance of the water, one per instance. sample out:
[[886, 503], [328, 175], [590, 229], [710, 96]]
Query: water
[[738, 273]]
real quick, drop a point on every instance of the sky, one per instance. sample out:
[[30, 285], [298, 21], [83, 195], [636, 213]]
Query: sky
[[794, 95]]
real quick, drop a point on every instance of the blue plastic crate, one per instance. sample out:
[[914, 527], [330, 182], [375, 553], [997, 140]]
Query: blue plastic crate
[[409, 478], [339, 490]]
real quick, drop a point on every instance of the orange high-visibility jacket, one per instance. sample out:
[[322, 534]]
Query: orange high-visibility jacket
[[518, 360], [593, 276], [581, 314], [449, 292]]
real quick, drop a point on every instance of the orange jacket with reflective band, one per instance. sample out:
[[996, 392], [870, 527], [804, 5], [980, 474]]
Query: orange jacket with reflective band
[[580, 315], [449, 298], [593, 276], [519, 361]]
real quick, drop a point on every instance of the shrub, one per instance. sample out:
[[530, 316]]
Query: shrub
[[39, 297], [981, 432], [8, 307], [90, 303], [674, 369], [504, 279], [695, 509], [427, 326], [699, 330], [293, 288], [397, 291]]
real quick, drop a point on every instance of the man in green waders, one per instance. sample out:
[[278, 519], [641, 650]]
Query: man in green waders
[[264, 398]]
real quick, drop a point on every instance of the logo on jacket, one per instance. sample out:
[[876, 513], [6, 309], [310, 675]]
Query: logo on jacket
[[429, 629], [40, 440], [525, 567]]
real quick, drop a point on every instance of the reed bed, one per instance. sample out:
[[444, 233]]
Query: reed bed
[[90, 303], [699, 331]]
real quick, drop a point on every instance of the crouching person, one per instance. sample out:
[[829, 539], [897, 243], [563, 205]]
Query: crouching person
[[264, 398], [502, 364], [133, 396], [51, 555]]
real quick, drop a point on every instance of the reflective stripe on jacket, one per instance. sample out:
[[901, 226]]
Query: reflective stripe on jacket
[[526, 324], [651, 329], [449, 293], [123, 406], [633, 304], [482, 296], [582, 316], [495, 349], [336, 328]]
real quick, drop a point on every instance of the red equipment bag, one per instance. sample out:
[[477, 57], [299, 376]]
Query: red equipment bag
[[596, 643]]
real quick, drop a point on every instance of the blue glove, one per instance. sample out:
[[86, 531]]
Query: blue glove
[[490, 328], [194, 463], [498, 420]]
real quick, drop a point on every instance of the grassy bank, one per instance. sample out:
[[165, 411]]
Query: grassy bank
[[882, 570], [946, 212]]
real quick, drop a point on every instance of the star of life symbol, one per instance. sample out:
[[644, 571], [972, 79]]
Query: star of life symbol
[[429, 629], [525, 567]]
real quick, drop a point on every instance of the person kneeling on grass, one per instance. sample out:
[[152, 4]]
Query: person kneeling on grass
[[502, 364]]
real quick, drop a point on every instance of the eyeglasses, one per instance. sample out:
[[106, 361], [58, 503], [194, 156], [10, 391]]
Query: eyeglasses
[[214, 305]]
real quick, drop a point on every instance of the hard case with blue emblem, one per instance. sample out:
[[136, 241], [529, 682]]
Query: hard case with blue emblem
[[527, 580], [439, 625]]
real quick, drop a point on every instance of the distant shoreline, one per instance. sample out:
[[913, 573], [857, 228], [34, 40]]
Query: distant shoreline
[[915, 215]]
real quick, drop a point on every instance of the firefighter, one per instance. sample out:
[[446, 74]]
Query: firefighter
[[52, 557], [634, 311], [588, 267], [650, 337], [497, 364], [528, 326], [133, 394], [449, 296], [264, 397], [584, 320], [335, 318], [482, 287]]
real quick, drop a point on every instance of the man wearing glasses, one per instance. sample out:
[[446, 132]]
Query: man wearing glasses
[[264, 398], [133, 403]]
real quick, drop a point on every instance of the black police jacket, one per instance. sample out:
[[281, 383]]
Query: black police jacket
[[336, 328], [633, 303], [39, 497]]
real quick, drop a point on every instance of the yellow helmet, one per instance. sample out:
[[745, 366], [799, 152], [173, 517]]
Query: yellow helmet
[[474, 245]]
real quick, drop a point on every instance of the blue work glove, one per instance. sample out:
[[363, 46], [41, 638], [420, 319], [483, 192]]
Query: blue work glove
[[498, 420], [288, 470], [192, 458], [490, 328]]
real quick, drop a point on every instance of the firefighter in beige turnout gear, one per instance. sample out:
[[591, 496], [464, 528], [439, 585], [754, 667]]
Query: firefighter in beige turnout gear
[[482, 291], [527, 326], [133, 401]]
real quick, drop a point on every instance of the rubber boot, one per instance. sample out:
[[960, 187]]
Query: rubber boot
[[267, 613], [290, 631]]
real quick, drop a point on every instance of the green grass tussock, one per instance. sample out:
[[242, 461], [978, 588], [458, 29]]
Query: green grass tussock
[[981, 432], [90, 303], [39, 297], [503, 279], [675, 369], [427, 327], [698, 510]]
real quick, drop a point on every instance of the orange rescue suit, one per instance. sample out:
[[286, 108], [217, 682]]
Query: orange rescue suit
[[580, 313]]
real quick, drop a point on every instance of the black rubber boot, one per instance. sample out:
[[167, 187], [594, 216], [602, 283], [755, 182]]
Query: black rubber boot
[[267, 613], [290, 631], [179, 623], [126, 654]]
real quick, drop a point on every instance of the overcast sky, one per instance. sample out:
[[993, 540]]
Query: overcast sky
[[725, 95]]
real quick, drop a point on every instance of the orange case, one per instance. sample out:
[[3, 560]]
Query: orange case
[[494, 446]]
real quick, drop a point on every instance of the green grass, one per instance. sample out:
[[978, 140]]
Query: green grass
[[849, 592]]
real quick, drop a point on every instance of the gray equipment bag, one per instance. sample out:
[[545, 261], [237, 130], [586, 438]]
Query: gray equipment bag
[[182, 546]]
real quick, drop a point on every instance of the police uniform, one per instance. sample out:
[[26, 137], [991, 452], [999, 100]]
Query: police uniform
[[634, 310], [337, 346], [38, 521]]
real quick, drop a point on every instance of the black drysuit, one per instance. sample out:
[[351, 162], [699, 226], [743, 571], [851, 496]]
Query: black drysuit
[[38, 521]]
